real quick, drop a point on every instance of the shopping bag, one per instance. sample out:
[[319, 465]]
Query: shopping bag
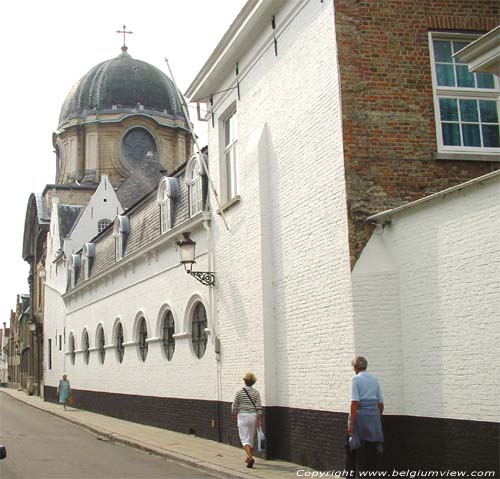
[[261, 440]]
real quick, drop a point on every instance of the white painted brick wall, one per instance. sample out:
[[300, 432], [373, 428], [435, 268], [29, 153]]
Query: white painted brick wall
[[144, 288], [284, 296], [436, 356]]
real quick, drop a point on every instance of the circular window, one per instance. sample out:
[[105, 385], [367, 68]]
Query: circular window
[[168, 335], [100, 345], [198, 333], [85, 347], [143, 336], [72, 353], [120, 349], [137, 145]]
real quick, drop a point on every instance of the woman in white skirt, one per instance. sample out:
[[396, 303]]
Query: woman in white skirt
[[248, 408]]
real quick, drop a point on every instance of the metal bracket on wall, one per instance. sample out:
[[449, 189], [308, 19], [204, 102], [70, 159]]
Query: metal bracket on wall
[[205, 277]]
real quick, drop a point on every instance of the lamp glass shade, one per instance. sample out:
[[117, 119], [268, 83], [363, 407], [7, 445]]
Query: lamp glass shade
[[187, 250]]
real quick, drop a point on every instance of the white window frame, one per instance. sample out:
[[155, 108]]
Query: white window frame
[[102, 224], [165, 224], [121, 229], [230, 155], [194, 181], [458, 93]]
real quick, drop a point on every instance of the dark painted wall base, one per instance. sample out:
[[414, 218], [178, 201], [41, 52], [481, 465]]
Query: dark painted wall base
[[312, 438]]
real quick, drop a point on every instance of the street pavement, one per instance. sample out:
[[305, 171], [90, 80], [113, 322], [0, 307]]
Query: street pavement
[[205, 458], [42, 446]]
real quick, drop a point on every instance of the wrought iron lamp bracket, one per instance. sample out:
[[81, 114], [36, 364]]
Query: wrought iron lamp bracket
[[205, 277]]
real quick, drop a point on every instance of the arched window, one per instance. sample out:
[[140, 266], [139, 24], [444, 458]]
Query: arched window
[[194, 180], [142, 338], [168, 191], [120, 349], [103, 224], [85, 346], [198, 333], [168, 334], [72, 353], [101, 345]]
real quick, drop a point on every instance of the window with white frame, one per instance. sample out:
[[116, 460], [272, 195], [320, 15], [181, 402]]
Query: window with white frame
[[100, 343], [72, 353], [74, 268], [167, 193], [230, 156], [88, 254], [102, 225], [466, 104], [85, 346], [121, 230], [194, 180]]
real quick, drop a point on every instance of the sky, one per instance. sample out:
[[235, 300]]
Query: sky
[[46, 48]]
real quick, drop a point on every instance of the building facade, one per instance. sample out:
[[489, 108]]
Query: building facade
[[321, 116]]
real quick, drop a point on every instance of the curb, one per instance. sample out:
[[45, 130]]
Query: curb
[[180, 459]]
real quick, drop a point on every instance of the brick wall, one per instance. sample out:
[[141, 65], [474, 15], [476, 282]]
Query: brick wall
[[387, 104]]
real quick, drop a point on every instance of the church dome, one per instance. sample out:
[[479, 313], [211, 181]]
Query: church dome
[[123, 83]]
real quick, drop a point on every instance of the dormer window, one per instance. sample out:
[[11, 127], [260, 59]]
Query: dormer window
[[88, 255], [195, 181], [121, 231], [74, 268], [167, 193]]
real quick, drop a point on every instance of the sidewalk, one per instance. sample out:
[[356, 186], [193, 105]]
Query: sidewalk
[[220, 460]]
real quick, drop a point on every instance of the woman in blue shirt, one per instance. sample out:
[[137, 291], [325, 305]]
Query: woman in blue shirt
[[365, 425]]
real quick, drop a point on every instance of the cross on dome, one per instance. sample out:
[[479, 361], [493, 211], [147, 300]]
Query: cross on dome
[[124, 31]]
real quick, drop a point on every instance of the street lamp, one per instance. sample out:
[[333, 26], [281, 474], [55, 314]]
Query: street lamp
[[187, 251]]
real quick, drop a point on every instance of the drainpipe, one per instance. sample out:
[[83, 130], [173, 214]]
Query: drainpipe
[[214, 326]]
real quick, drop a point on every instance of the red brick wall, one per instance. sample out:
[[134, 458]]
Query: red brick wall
[[387, 104]]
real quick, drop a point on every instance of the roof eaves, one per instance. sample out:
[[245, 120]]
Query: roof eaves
[[388, 213]]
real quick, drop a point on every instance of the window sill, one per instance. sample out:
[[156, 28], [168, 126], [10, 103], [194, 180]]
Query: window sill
[[229, 204], [442, 155]]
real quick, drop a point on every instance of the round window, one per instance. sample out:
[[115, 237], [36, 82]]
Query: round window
[[138, 145]]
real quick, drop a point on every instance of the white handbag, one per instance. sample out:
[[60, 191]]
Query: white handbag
[[261, 440]]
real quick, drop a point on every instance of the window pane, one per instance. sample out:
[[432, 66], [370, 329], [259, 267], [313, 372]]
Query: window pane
[[457, 46], [448, 109], [489, 112], [485, 80], [464, 77], [445, 75], [451, 134], [468, 110], [491, 136], [442, 51], [471, 135]]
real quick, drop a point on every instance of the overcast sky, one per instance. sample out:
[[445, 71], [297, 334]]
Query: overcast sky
[[46, 48]]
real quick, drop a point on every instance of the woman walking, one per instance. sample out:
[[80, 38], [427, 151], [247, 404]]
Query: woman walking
[[64, 391], [248, 408], [365, 425]]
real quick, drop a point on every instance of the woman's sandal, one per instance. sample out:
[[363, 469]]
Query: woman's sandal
[[250, 462]]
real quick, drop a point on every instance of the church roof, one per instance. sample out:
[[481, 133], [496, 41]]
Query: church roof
[[122, 83]]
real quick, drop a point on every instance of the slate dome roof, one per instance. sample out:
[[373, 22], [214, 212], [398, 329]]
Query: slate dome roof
[[120, 84]]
